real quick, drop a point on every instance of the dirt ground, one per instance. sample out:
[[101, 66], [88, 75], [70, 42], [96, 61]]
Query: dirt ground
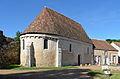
[[90, 67], [80, 73]]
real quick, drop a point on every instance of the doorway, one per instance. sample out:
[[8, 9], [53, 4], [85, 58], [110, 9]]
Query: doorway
[[118, 59], [114, 59], [78, 59]]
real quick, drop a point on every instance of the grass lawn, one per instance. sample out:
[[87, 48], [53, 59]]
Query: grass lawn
[[31, 68], [100, 74]]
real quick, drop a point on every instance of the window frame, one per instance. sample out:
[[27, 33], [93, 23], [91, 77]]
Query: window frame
[[23, 41], [88, 50], [46, 46]]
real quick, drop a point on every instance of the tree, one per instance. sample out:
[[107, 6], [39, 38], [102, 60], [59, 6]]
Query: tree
[[109, 40], [112, 40], [17, 38]]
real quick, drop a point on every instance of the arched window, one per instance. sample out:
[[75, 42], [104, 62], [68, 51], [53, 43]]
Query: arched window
[[23, 44], [45, 44]]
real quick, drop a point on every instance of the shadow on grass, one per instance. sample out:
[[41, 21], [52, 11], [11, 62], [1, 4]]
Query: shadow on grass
[[95, 73], [49, 74]]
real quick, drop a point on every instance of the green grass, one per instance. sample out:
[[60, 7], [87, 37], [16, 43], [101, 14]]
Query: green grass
[[32, 68], [10, 67], [101, 75]]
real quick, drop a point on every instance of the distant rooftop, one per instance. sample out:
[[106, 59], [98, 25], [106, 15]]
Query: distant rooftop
[[102, 44], [117, 43]]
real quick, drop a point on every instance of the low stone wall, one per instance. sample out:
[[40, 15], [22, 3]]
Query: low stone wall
[[112, 68]]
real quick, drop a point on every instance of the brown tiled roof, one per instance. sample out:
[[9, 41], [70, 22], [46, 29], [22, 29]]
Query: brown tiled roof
[[52, 22], [117, 43], [101, 44]]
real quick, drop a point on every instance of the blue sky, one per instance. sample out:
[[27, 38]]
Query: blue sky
[[99, 18]]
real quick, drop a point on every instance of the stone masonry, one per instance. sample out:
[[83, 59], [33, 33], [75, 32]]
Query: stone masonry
[[9, 50]]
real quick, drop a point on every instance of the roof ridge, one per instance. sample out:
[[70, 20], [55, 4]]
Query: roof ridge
[[63, 15], [33, 21], [98, 39]]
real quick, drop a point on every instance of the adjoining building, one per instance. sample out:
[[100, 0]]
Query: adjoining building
[[117, 46], [104, 53], [53, 39]]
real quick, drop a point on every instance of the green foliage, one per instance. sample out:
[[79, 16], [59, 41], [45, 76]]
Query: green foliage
[[17, 38], [32, 68], [106, 69], [112, 40]]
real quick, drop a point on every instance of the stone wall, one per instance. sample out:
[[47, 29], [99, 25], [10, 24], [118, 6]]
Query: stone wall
[[2, 38], [43, 57], [67, 58], [77, 48], [112, 68], [57, 53], [9, 51]]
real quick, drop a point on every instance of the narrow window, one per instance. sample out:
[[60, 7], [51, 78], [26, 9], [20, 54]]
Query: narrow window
[[70, 48], [23, 44], [88, 50], [45, 44]]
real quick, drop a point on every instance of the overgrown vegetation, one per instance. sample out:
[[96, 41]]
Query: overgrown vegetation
[[32, 68], [17, 38], [112, 40]]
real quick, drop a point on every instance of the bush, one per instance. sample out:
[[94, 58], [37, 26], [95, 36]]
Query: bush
[[106, 69]]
